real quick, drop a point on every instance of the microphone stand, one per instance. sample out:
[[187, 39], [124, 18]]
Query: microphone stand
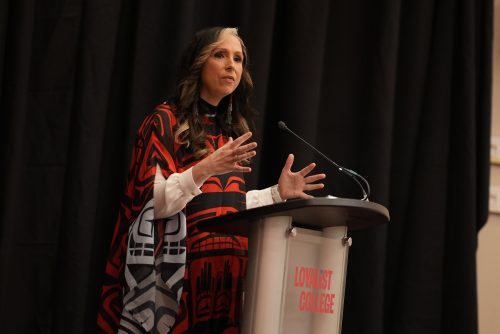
[[355, 176]]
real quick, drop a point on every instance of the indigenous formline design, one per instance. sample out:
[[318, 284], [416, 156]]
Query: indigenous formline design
[[163, 270]]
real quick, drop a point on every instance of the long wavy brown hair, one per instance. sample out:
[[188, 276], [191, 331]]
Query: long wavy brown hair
[[190, 131]]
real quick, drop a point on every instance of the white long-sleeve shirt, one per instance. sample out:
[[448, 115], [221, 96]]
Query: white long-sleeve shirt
[[173, 193]]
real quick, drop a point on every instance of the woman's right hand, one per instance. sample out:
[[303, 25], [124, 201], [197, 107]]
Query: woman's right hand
[[225, 159]]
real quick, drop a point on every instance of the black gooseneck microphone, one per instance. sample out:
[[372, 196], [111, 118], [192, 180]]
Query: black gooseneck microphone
[[355, 176]]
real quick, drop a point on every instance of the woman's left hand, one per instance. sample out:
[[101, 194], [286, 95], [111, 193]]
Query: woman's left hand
[[294, 184]]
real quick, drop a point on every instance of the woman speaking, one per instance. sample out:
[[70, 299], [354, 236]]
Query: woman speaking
[[188, 164]]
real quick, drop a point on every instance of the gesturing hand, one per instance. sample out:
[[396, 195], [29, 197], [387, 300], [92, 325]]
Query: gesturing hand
[[225, 159], [293, 185]]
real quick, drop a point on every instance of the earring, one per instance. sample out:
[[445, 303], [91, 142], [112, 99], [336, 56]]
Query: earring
[[229, 117], [195, 109]]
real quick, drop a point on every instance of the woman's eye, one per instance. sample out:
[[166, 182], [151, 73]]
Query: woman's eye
[[238, 59], [219, 55]]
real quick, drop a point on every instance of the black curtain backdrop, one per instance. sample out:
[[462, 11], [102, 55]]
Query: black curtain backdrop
[[396, 90]]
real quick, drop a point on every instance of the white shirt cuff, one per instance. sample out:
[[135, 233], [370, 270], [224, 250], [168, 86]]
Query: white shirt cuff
[[187, 184], [256, 198]]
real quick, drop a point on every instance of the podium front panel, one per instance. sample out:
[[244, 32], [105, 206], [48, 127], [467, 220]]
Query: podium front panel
[[314, 281]]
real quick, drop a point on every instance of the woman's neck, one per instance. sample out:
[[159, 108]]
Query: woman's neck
[[212, 100]]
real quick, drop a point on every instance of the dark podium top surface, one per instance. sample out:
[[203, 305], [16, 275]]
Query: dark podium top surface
[[315, 213]]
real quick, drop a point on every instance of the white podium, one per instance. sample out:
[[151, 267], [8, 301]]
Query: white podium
[[297, 261]]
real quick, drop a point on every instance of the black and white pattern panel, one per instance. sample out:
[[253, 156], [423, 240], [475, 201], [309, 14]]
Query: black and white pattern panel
[[153, 285], [173, 264]]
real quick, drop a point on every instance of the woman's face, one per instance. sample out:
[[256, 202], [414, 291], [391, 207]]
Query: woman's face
[[221, 73]]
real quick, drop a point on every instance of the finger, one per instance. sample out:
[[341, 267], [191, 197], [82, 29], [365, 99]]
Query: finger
[[246, 147], [242, 169], [314, 178], [243, 156], [315, 186], [306, 170], [241, 139], [246, 155], [305, 196], [288, 162], [229, 142]]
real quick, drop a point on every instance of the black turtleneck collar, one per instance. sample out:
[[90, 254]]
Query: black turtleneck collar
[[205, 108]]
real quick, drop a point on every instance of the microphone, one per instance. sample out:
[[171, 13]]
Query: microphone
[[355, 176]]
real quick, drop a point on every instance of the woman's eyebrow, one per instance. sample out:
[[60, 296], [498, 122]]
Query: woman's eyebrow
[[227, 50]]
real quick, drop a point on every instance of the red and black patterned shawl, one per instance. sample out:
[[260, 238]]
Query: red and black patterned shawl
[[215, 264]]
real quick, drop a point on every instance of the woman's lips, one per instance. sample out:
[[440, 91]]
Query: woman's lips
[[228, 79]]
